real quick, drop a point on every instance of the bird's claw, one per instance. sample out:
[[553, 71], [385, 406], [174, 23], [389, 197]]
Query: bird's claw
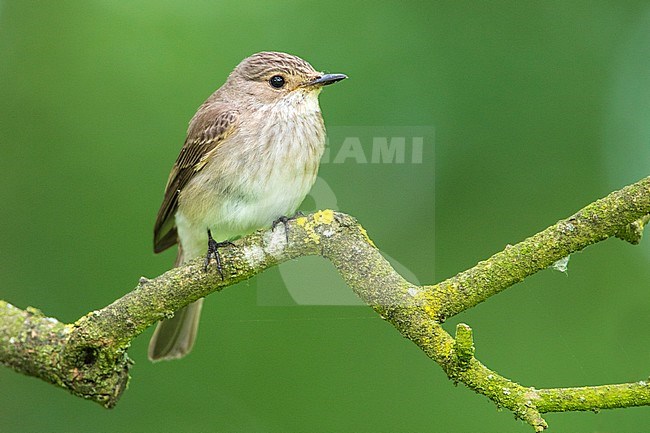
[[284, 220], [213, 253]]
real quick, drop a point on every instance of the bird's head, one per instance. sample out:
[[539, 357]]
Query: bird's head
[[270, 77]]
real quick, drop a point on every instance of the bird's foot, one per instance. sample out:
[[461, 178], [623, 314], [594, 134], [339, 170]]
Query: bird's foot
[[284, 220], [213, 253]]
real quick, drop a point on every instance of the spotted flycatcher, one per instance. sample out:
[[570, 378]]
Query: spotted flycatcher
[[250, 157]]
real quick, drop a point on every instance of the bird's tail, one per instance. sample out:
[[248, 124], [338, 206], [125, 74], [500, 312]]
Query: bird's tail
[[175, 337]]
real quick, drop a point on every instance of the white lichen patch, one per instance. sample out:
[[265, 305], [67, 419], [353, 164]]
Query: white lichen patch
[[561, 265], [328, 233], [275, 242], [254, 255], [52, 320], [413, 291], [506, 391], [12, 340]]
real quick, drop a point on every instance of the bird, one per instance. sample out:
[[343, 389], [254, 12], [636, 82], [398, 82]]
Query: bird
[[250, 157]]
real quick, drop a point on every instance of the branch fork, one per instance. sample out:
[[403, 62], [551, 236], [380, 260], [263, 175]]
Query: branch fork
[[89, 357]]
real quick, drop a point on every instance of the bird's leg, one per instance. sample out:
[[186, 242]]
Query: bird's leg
[[284, 220], [213, 253]]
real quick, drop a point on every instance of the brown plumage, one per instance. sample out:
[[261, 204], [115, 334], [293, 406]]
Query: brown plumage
[[199, 143], [251, 155]]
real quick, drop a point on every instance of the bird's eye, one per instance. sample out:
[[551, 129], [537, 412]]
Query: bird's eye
[[277, 81]]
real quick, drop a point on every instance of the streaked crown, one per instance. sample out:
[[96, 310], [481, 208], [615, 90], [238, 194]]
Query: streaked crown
[[272, 77], [258, 66]]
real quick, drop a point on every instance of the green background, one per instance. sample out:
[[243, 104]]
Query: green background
[[538, 108]]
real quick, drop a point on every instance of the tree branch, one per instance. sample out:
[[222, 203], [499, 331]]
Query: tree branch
[[594, 223], [89, 357]]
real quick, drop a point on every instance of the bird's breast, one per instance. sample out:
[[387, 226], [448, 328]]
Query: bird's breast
[[262, 171]]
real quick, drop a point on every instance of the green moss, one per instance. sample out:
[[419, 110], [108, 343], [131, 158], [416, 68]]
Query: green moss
[[89, 357]]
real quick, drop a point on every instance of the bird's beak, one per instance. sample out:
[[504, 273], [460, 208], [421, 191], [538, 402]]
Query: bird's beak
[[326, 79]]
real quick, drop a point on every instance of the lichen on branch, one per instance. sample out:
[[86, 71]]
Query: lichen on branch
[[89, 357]]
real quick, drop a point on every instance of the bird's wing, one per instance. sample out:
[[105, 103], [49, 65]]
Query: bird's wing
[[205, 133]]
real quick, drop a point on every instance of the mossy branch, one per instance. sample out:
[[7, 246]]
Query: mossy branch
[[89, 357]]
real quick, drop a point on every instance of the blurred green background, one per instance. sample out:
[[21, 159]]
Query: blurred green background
[[538, 109]]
